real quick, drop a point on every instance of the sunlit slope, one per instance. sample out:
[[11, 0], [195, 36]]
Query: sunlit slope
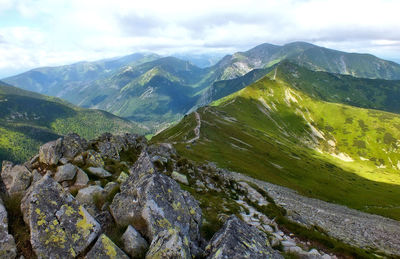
[[275, 132], [28, 120]]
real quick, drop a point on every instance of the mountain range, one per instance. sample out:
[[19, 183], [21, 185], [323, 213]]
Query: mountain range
[[156, 91], [315, 132]]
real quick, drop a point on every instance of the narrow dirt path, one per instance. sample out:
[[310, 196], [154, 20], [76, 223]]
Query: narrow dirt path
[[196, 129]]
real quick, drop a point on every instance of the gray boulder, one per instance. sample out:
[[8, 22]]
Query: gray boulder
[[169, 244], [65, 173], [50, 153], [15, 178], [236, 239], [81, 178], [73, 145], [134, 244], [7, 243], [59, 226], [99, 172], [153, 202], [104, 248]]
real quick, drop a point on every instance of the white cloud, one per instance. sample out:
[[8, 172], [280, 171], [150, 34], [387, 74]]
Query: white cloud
[[55, 32]]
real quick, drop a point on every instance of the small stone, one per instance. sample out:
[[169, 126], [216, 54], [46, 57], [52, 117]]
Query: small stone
[[86, 196], [65, 173], [104, 248], [122, 177], [94, 159], [134, 244], [99, 172], [287, 243], [36, 176], [78, 160], [111, 187], [180, 178], [81, 178]]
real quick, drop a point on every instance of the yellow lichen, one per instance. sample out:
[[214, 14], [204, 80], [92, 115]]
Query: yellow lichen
[[192, 211], [69, 210], [83, 225], [109, 246]]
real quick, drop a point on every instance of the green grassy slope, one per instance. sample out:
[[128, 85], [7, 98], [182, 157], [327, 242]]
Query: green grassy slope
[[272, 131], [28, 120]]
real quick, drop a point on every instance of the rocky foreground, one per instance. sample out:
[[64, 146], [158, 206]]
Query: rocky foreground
[[119, 197]]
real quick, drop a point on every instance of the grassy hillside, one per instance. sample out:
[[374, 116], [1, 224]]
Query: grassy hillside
[[273, 131], [28, 120]]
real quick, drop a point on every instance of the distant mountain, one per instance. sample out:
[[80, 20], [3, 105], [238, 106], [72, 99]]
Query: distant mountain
[[310, 56], [57, 81], [284, 131], [201, 60], [27, 120], [158, 91]]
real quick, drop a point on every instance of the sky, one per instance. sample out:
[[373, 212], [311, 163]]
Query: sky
[[36, 33]]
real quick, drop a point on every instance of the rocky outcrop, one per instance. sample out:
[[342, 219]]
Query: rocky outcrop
[[153, 202], [236, 239], [59, 226], [15, 178], [106, 249], [7, 243]]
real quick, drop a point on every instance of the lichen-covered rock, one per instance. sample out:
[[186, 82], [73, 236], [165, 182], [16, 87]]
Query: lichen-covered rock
[[110, 146], [236, 239], [15, 178], [94, 159], [153, 202], [180, 177], [50, 153], [81, 178], [111, 188], [169, 244], [73, 145], [99, 172], [134, 244], [65, 173], [7, 243], [59, 226], [105, 249]]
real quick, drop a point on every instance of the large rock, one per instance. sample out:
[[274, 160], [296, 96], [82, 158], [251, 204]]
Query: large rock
[[169, 244], [15, 178], [134, 244], [110, 146], [73, 145], [59, 226], [105, 249], [7, 243], [99, 172], [50, 153], [65, 173], [153, 202], [236, 239]]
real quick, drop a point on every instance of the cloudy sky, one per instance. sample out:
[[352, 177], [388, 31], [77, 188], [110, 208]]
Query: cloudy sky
[[54, 32]]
